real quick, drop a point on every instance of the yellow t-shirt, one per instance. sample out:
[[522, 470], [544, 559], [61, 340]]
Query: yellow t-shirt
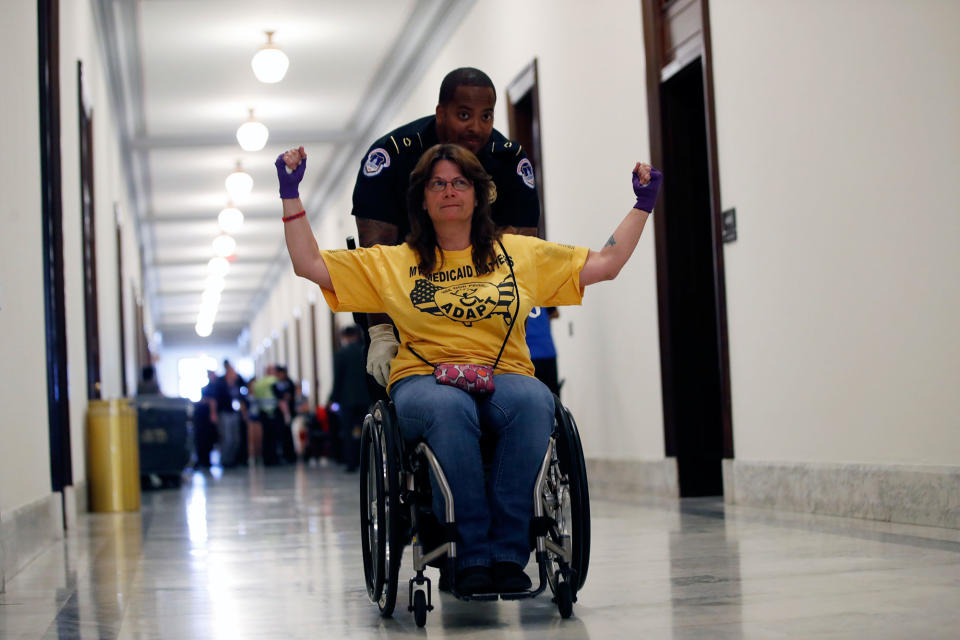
[[454, 314]]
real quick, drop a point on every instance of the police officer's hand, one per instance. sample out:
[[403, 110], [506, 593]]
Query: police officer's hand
[[291, 165], [383, 348]]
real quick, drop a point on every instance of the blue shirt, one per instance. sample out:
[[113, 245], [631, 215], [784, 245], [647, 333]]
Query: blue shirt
[[539, 340]]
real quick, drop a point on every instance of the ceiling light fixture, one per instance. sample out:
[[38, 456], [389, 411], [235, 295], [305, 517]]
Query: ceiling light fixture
[[230, 219], [224, 245], [270, 63], [210, 297], [214, 283], [218, 266], [203, 330], [239, 183], [252, 135], [207, 315]]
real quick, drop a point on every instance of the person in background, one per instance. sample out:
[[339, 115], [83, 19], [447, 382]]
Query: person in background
[[254, 425], [463, 116], [204, 430], [269, 415], [225, 413], [148, 385], [543, 353], [350, 395], [285, 392]]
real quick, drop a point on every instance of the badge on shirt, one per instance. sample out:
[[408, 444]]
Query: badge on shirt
[[377, 160], [525, 171]]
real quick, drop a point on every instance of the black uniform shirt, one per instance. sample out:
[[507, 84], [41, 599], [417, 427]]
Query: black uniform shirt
[[380, 192]]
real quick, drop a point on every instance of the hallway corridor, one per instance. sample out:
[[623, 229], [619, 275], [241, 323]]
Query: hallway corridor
[[275, 553]]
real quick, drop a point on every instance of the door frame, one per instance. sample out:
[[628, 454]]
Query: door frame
[[670, 43], [88, 231], [527, 84], [122, 329], [54, 298]]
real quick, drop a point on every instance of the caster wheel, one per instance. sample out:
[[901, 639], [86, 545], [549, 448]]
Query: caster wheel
[[564, 599], [420, 608]]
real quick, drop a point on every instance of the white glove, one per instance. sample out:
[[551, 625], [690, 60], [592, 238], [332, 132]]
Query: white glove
[[383, 348]]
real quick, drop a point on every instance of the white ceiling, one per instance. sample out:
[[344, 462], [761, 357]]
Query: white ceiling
[[181, 84]]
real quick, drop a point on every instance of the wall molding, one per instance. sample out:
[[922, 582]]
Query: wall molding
[[628, 479], [26, 532], [75, 503], [908, 494]]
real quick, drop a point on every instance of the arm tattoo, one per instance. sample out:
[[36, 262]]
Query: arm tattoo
[[610, 242]]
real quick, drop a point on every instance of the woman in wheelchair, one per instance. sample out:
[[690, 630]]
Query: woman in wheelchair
[[455, 289]]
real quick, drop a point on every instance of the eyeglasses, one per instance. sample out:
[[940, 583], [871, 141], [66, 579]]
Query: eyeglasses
[[439, 184]]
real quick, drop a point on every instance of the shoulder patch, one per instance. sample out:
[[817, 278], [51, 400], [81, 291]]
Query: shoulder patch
[[525, 171], [377, 160]]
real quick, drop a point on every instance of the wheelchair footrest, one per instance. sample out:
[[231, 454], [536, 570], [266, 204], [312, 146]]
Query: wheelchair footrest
[[518, 595], [479, 596]]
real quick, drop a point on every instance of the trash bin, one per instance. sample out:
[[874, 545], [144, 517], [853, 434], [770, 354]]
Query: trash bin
[[166, 429], [113, 464]]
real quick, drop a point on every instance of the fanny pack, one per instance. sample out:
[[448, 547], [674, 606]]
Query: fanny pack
[[475, 379]]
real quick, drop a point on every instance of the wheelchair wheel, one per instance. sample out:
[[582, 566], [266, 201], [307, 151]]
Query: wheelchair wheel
[[564, 599], [574, 510], [371, 510], [420, 608], [380, 531]]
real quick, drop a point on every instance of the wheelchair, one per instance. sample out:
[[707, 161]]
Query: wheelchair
[[395, 504]]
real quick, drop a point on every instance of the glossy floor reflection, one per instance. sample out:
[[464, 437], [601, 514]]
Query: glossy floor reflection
[[275, 554]]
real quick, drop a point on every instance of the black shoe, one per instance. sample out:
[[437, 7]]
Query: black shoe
[[443, 584], [474, 580], [508, 577]]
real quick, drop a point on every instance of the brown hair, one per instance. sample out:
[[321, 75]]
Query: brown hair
[[423, 237]]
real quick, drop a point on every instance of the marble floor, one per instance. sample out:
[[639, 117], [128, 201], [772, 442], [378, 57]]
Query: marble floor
[[275, 553]]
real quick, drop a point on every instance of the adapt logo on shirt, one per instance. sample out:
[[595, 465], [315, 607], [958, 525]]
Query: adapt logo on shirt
[[467, 302]]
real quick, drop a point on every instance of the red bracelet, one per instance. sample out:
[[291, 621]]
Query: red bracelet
[[294, 216]]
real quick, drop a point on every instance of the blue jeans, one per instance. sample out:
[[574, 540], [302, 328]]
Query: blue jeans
[[493, 513]]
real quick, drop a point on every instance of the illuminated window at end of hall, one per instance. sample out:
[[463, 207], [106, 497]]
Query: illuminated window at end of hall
[[192, 374]]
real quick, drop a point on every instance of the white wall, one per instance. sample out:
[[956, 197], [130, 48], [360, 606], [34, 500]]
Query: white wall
[[79, 41], [839, 146], [593, 130], [838, 142], [24, 453], [25, 449]]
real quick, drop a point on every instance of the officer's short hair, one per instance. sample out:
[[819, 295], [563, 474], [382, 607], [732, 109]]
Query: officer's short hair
[[464, 77]]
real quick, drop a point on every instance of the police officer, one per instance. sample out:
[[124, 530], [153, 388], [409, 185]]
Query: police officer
[[464, 115]]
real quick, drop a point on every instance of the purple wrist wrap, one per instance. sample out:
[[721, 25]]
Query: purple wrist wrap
[[289, 182], [647, 193]]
